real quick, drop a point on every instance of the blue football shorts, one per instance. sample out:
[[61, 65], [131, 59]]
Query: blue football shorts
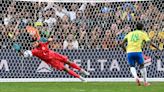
[[135, 57]]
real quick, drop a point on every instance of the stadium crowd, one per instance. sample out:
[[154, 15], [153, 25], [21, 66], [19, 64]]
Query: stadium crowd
[[80, 25]]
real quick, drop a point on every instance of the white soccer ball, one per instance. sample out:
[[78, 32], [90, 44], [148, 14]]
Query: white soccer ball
[[27, 53]]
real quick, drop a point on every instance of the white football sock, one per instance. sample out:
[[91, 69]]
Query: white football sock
[[134, 73], [144, 73]]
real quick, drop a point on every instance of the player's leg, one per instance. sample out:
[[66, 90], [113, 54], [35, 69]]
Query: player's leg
[[74, 65], [65, 60], [71, 72], [131, 61], [144, 74], [60, 66], [143, 69]]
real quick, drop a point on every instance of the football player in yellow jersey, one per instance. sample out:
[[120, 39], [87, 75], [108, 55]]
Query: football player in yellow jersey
[[135, 41]]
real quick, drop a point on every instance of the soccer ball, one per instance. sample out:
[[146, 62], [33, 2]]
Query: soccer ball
[[27, 53]]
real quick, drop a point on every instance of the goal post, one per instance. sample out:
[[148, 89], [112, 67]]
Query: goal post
[[96, 26]]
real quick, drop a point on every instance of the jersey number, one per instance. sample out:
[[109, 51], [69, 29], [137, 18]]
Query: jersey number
[[135, 37]]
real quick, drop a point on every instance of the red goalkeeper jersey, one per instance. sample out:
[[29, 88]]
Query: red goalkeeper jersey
[[42, 51], [49, 56]]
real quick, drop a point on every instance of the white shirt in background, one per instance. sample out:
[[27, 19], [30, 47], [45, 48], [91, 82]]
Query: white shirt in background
[[74, 44]]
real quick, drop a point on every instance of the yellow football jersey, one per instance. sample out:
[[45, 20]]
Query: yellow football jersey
[[135, 40]]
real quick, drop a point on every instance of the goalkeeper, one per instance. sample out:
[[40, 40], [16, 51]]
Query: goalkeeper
[[52, 58], [134, 51]]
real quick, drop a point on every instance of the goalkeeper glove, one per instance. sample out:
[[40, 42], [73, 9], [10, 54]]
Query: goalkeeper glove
[[16, 47]]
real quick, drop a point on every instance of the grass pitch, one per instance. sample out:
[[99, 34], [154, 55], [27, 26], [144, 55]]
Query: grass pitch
[[80, 87]]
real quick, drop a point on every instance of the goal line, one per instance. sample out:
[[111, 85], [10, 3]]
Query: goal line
[[77, 80]]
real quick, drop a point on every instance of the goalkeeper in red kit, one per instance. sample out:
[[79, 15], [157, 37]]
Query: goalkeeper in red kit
[[53, 59]]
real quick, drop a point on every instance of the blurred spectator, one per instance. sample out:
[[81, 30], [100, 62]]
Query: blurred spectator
[[70, 42], [7, 19], [153, 34], [107, 8], [113, 33], [95, 37], [83, 37], [83, 7], [129, 6], [50, 19], [122, 33], [118, 15], [62, 11], [106, 43], [80, 18], [159, 17], [138, 10], [44, 31], [74, 29], [72, 13], [40, 16], [58, 37], [2, 29], [65, 19], [161, 38], [128, 15], [9, 16], [152, 11], [56, 44], [7, 35]]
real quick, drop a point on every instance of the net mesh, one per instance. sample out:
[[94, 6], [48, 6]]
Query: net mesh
[[85, 31]]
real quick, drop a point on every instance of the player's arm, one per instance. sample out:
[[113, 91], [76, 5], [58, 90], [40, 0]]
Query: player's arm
[[49, 40], [149, 42], [18, 49], [123, 43]]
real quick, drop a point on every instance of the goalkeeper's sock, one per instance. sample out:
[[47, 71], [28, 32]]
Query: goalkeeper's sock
[[134, 73], [73, 74], [73, 65], [84, 72], [144, 74]]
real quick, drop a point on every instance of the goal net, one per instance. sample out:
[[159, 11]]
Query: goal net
[[88, 32]]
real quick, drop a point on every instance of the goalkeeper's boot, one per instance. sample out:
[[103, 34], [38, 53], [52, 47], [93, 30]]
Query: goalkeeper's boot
[[138, 82], [84, 72], [82, 79], [146, 84]]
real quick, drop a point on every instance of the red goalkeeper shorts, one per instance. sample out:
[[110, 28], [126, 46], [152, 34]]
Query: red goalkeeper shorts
[[57, 60], [57, 64]]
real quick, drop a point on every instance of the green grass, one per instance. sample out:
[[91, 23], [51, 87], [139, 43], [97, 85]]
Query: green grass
[[80, 87]]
